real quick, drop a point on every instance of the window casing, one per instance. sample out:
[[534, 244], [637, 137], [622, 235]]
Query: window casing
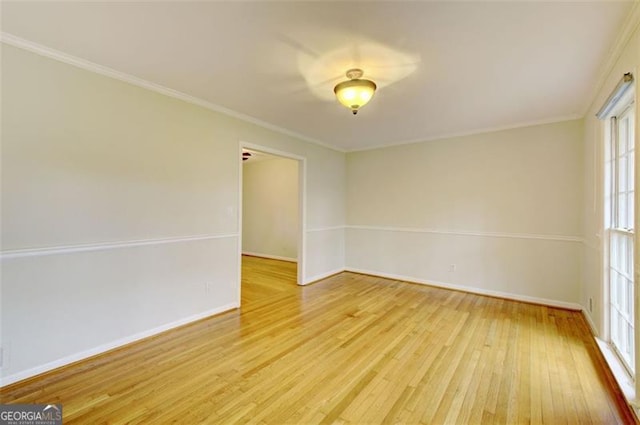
[[619, 225]]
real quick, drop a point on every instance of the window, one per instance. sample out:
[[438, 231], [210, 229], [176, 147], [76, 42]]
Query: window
[[619, 225]]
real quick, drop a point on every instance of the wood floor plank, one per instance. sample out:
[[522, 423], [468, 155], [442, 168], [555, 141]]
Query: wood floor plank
[[351, 349]]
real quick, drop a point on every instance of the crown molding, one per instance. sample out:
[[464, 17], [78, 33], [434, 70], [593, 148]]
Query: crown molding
[[474, 132], [629, 27], [59, 56]]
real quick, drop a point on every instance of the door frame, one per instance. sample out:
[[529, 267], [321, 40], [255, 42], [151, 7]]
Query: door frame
[[302, 189]]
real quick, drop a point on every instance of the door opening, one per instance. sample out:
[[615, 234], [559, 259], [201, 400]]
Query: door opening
[[271, 211]]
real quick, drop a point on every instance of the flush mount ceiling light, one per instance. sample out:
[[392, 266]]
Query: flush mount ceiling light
[[356, 92]]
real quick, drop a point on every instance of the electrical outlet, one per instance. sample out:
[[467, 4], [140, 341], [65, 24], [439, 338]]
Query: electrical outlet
[[452, 267], [590, 305]]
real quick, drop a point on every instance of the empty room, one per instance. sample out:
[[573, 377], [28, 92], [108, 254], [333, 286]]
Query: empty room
[[314, 212]]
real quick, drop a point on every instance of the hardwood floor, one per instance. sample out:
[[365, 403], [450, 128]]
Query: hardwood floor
[[349, 349]]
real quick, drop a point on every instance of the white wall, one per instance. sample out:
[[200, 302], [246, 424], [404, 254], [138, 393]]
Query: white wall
[[504, 208], [120, 211], [120, 219], [270, 208], [593, 206]]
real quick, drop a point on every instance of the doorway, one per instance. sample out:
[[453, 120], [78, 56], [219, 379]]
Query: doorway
[[271, 210]]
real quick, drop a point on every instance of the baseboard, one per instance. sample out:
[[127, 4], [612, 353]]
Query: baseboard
[[65, 361], [321, 276], [269, 256], [472, 290], [589, 320]]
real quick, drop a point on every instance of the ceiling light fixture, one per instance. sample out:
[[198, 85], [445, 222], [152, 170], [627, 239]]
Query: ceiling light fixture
[[355, 92]]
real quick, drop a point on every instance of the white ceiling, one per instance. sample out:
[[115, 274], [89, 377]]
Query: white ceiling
[[443, 68]]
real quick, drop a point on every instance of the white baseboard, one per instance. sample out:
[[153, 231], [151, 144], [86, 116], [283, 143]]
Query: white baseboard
[[321, 276], [589, 320], [472, 290], [269, 256], [6, 380]]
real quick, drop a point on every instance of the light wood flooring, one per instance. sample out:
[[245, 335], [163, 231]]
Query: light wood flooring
[[349, 349]]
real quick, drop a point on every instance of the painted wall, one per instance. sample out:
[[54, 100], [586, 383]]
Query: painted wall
[[593, 206], [120, 211], [270, 208], [497, 213]]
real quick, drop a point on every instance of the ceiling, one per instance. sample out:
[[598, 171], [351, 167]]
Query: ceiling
[[442, 68]]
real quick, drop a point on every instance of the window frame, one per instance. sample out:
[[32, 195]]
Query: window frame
[[624, 109]]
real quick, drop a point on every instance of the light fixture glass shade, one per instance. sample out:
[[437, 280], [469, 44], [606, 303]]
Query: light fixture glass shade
[[355, 93]]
